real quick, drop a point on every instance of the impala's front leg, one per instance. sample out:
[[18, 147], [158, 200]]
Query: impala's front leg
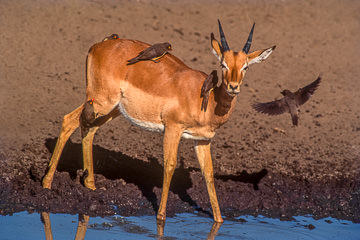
[[171, 142], [203, 154]]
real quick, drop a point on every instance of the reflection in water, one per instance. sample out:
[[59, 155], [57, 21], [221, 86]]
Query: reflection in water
[[211, 236], [45, 218], [214, 230], [84, 221], [81, 228], [23, 226], [160, 228]]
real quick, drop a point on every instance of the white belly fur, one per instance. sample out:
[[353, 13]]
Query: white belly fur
[[154, 127]]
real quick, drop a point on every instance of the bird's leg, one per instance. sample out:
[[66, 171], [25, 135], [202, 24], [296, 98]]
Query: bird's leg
[[155, 61]]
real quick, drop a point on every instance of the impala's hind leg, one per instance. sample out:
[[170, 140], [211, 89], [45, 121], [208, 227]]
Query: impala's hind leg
[[69, 125], [87, 142], [87, 135]]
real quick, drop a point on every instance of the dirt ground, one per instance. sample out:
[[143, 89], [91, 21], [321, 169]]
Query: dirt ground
[[262, 164]]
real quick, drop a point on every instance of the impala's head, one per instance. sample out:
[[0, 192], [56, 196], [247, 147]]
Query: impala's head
[[235, 64]]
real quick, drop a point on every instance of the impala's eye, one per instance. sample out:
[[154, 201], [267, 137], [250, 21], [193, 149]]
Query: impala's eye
[[246, 68], [223, 65]]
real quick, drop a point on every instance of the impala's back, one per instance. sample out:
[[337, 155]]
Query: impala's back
[[148, 94]]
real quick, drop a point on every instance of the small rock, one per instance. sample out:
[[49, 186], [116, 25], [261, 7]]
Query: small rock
[[310, 227], [92, 207]]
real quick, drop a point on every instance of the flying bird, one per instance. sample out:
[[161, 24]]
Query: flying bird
[[208, 85], [290, 102], [152, 53], [112, 36], [88, 115]]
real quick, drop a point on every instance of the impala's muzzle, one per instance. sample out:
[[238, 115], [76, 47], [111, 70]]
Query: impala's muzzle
[[233, 89]]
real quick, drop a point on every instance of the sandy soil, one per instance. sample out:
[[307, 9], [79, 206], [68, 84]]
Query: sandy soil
[[262, 164]]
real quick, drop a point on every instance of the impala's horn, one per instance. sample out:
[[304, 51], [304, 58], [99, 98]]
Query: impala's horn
[[248, 42], [224, 44]]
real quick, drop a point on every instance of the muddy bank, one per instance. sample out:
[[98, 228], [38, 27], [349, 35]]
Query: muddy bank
[[130, 186]]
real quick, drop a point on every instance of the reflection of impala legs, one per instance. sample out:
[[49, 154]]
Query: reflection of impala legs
[[82, 227], [45, 218], [214, 230], [80, 232], [212, 234]]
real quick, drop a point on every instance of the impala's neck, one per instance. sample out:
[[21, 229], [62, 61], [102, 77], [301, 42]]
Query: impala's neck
[[224, 103]]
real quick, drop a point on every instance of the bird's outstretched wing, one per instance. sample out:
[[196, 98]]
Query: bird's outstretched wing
[[208, 85], [272, 108], [302, 95]]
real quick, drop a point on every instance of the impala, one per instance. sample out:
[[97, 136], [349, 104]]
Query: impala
[[163, 97]]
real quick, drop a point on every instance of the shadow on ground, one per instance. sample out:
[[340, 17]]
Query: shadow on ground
[[145, 175]]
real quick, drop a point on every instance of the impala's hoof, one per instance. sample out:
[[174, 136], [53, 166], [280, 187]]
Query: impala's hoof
[[90, 185], [218, 219], [161, 217], [46, 184]]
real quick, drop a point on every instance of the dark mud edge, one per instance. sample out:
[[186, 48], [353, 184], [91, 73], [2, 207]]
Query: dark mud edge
[[129, 186]]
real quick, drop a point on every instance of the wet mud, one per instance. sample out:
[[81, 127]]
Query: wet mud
[[129, 186]]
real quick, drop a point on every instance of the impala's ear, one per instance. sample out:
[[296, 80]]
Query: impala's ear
[[260, 55], [216, 47]]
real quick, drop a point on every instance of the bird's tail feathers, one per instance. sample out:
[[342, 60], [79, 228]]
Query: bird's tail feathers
[[204, 103], [132, 61]]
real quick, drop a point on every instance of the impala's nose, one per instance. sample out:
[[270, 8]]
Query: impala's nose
[[233, 87]]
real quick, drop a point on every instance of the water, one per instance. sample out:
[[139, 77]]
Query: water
[[182, 226]]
